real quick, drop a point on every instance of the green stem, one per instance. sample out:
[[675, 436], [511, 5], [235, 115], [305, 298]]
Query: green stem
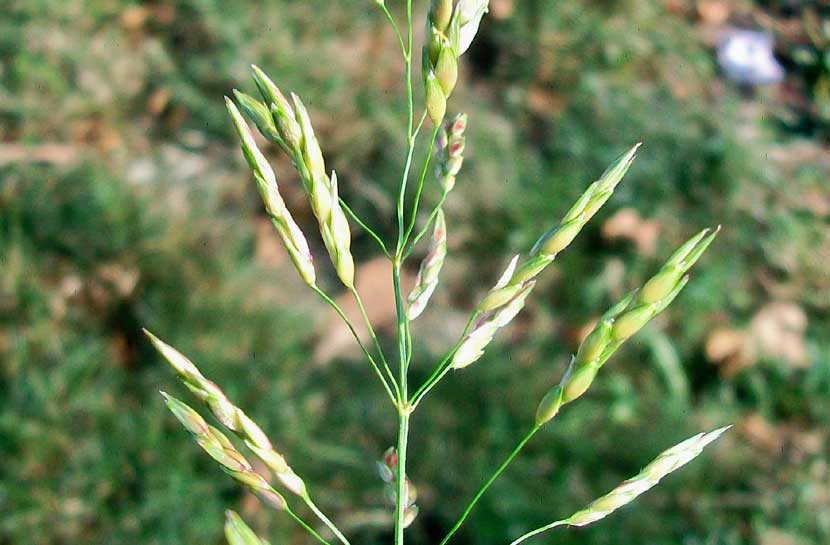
[[400, 504], [421, 180], [425, 228], [365, 227], [489, 482], [305, 525], [402, 323], [366, 352], [316, 510], [442, 368], [376, 341], [394, 27]]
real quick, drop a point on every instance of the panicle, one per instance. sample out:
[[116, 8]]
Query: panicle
[[486, 327], [451, 146], [388, 470], [667, 462], [560, 236], [290, 120]]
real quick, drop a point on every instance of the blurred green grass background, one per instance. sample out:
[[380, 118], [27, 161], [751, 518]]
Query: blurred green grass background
[[124, 202]]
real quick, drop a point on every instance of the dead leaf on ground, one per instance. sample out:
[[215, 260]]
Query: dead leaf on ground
[[762, 434], [732, 349], [713, 12], [628, 224], [778, 329], [502, 9]]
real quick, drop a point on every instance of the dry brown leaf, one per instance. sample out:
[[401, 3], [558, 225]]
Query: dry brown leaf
[[713, 12], [774, 536], [543, 102], [778, 330], [628, 224], [124, 280], [732, 349], [502, 9], [762, 434], [158, 101]]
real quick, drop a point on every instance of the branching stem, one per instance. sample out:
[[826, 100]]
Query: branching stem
[[488, 483], [366, 352]]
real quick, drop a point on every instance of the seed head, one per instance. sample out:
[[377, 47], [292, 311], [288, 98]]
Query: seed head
[[290, 233], [667, 462], [238, 533], [485, 328], [218, 447], [428, 274], [231, 416], [560, 236], [260, 114]]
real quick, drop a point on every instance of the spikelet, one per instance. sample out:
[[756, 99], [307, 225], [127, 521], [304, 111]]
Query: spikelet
[[667, 462], [218, 447], [621, 322], [450, 31], [231, 416], [290, 233], [559, 237], [487, 324], [387, 469], [238, 533], [338, 238], [451, 145], [427, 278]]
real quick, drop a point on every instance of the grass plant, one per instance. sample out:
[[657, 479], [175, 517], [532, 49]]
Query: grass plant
[[286, 122]]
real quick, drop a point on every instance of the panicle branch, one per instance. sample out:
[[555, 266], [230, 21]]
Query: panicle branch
[[231, 416], [667, 462], [621, 322]]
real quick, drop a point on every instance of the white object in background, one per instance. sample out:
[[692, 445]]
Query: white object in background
[[746, 58]]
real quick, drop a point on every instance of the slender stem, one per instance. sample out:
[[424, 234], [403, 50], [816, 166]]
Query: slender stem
[[429, 221], [402, 322], [365, 227], [489, 482], [394, 27], [400, 504], [421, 180], [442, 368], [305, 525], [403, 410], [538, 531], [366, 352], [375, 339], [316, 510]]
